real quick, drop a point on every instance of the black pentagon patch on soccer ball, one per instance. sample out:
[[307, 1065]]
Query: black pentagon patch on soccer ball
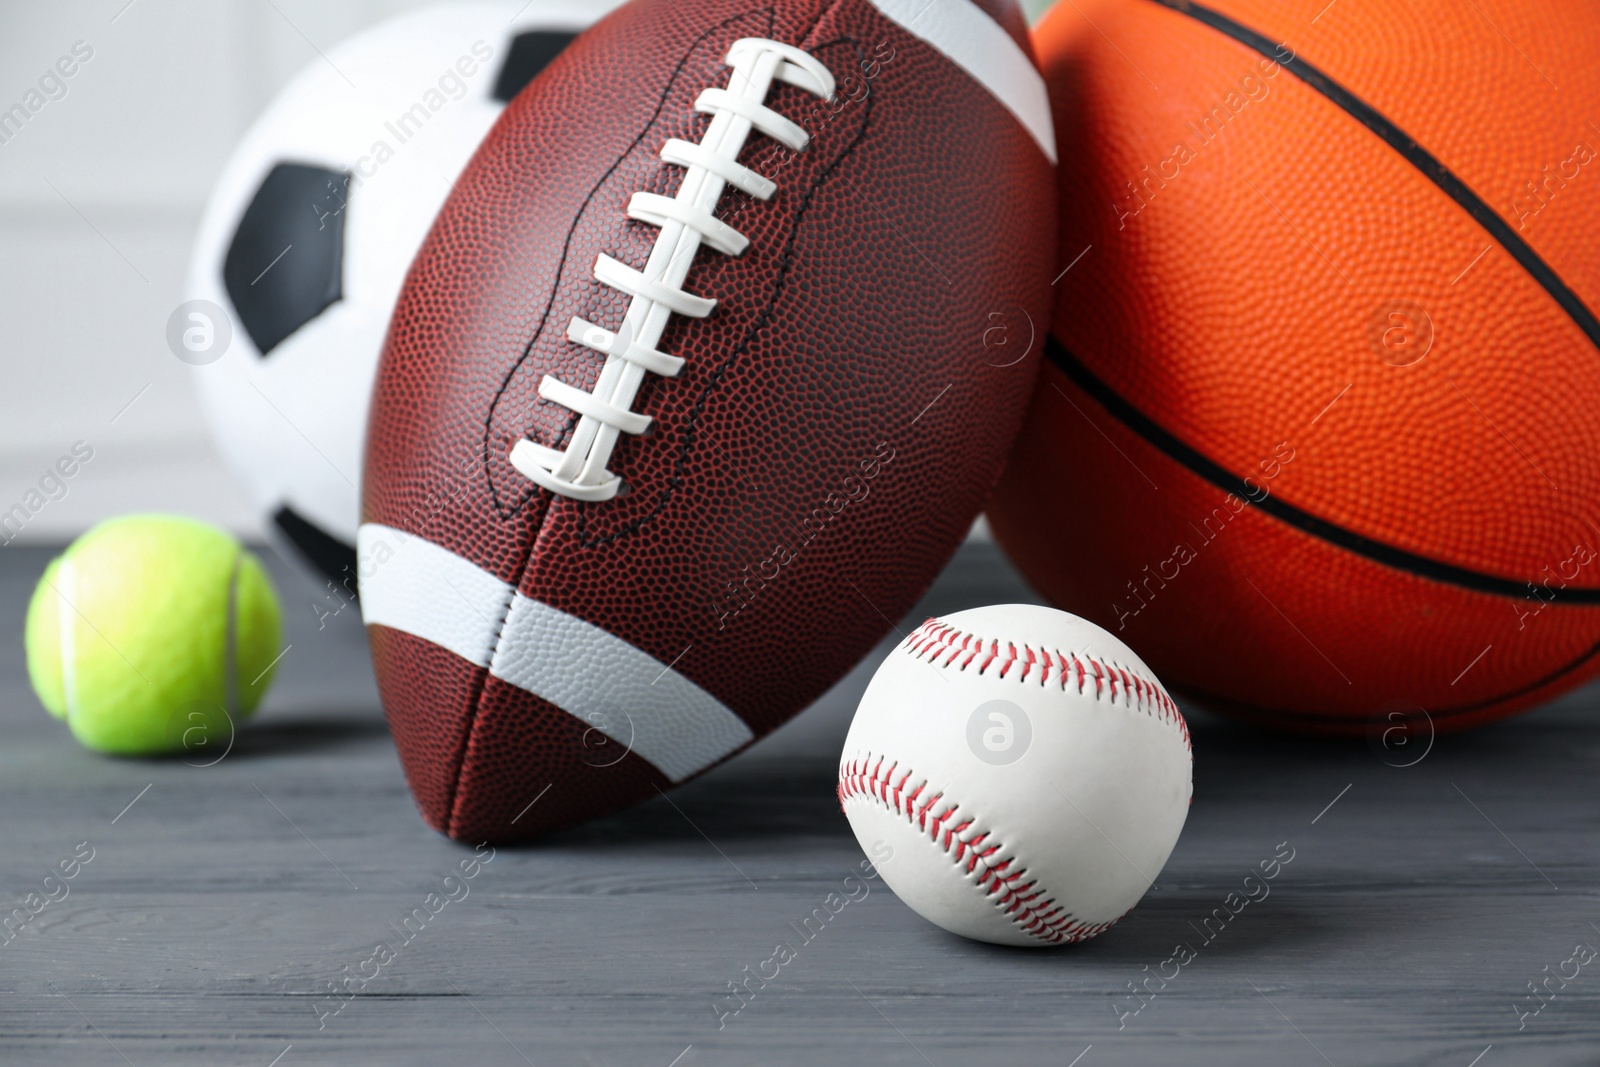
[[530, 53], [329, 555], [286, 260]]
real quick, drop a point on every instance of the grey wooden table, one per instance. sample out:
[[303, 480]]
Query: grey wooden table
[[221, 902]]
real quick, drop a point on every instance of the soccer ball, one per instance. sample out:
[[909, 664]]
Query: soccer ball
[[310, 230]]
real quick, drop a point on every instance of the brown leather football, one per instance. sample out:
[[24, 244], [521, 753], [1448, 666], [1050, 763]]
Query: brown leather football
[[702, 374]]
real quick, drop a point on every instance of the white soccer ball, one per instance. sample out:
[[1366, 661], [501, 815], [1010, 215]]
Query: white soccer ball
[[308, 236], [1026, 771]]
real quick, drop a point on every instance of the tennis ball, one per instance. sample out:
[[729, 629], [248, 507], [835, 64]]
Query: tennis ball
[[153, 634]]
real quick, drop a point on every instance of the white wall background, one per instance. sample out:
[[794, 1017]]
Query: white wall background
[[100, 197]]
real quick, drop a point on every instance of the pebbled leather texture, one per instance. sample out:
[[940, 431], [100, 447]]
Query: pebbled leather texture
[[842, 416], [1299, 302]]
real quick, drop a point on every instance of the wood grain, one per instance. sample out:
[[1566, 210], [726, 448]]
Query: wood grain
[[218, 907]]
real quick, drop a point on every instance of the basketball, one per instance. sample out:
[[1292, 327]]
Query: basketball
[[1316, 428]]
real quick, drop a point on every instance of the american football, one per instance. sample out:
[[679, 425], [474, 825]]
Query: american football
[[684, 403]]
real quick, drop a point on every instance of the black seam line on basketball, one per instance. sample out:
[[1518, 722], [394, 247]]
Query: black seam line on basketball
[[1219, 476], [1419, 157], [1269, 715]]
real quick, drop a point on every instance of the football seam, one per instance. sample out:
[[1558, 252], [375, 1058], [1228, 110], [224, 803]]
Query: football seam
[[532, 491], [1006, 888], [481, 682], [742, 347], [935, 639]]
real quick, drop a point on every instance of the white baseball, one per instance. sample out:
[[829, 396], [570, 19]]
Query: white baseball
[[1028, 770]]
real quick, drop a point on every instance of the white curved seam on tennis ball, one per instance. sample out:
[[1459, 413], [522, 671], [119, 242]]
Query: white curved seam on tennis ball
[[66, 579]]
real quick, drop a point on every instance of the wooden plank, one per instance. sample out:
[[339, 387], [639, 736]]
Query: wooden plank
[[219, 905]]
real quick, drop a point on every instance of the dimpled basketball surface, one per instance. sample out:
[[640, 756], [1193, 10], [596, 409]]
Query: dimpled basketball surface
[[1317, 431], [688, 393]]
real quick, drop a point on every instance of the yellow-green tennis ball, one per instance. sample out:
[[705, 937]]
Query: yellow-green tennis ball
[[152, 634]]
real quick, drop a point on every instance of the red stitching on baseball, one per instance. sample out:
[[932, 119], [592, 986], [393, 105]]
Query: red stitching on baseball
[[1018, 899], [934, 639]]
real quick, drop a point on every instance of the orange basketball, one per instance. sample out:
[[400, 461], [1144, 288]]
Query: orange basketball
[[1319, 429]]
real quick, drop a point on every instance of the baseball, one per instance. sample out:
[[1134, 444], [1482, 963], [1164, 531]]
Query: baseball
[[1029, 771]]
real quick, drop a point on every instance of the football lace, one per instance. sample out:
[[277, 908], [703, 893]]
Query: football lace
[[686, 221]]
